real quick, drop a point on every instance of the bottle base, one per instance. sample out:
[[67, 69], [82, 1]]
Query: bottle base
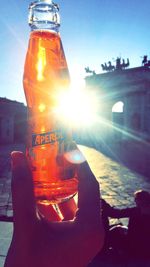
[[55, 193]]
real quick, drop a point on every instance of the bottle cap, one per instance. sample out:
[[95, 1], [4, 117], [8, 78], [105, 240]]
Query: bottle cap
[[44, 14]]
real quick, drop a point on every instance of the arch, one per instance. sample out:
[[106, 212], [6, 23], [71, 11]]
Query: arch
[[117, 113], [118, 107]]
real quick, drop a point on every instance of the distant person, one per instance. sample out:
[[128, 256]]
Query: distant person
[[135, 241]]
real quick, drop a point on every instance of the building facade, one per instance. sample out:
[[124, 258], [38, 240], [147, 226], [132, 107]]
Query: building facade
[[125, 135], [131, 87], [12, 121]]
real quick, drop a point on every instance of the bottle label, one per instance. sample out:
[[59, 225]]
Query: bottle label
[[47, 138]]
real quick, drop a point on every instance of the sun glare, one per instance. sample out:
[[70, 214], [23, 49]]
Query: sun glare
[[41, 63], [78, 107]]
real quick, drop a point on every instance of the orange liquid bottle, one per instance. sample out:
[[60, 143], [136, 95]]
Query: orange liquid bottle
[[46, 76]]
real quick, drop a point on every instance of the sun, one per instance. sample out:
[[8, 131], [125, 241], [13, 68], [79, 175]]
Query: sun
[[78, 106]]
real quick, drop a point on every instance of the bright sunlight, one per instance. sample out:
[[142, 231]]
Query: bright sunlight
[[118, 107], [78, 107]]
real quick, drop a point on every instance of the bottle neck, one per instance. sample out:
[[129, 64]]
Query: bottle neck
[[44, 15]]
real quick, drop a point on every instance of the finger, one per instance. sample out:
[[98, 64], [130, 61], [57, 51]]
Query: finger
[[24, 207], [88, 193], [68, 209], [49, 213]]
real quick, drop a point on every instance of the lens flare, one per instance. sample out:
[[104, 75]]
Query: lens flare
[[77, 107], [74, 156]]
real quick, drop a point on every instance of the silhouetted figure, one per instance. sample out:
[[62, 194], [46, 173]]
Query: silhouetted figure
[[147, 64], [144, 61], [134, 241], [125, 64], [87, 70], [118, 63], [104, 67], [108, 67]]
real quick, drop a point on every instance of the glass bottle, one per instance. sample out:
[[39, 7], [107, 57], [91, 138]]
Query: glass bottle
[[46, 77]]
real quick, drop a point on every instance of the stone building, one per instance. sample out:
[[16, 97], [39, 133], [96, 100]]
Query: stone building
[[125, 134], [131, 87], [12, 121]]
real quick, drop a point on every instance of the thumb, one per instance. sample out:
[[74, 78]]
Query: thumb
[[88, 193], [23, 201]]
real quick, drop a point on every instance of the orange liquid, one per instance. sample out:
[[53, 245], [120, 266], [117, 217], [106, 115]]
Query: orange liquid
[[46, 76]]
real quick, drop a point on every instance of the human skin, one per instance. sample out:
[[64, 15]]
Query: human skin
[[48, 239]]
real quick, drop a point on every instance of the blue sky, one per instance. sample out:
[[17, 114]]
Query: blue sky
[[93, 32]]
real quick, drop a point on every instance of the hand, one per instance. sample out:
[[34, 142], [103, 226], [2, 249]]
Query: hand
[[37, 242]]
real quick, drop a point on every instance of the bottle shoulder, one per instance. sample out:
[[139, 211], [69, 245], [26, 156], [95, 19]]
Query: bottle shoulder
[[46, 34]]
